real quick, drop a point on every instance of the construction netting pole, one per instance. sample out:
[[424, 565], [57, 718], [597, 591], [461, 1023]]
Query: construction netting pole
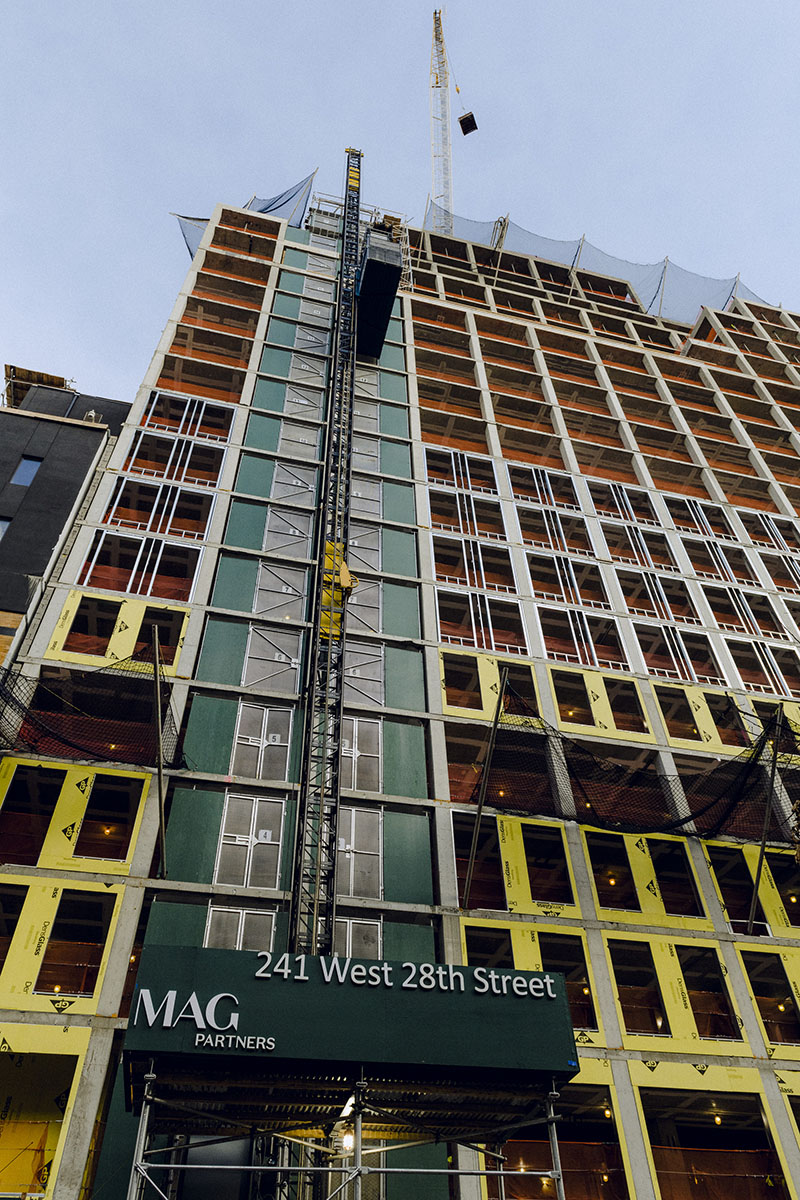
[[162, 815], [487, 762], [776, 735]]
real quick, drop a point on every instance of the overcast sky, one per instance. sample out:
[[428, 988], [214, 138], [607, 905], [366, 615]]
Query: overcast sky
[[655, 127]]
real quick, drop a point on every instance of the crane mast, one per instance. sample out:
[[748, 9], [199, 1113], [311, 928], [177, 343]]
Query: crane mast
[[441, 146]]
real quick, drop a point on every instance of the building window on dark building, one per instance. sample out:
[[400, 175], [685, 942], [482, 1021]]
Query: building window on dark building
[[359, 852], [357, 938], [250, 842], [26, 470], [239, 928]]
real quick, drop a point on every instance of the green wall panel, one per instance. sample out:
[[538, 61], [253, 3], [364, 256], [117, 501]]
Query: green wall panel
[[288, 306], [394, 332], [393, 387], [398, 503], [303, 236], [289, 282], [255, 475], [281, 332], [403, 942], [193, 833], [405, 771], [263, 433], [246, 524], [400, 610], [396, 459], [405, 680], [176, 924], [222, 655], [394, 420], [392, 357], [209, 734], [411, 1187], [235, 585], [295, 258], [269, 393], [399, 552], [119, 1144], [407, 857], [276, 362]]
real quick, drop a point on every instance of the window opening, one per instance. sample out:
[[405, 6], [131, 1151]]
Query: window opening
[[29, 804], [461, 681], [12, 899], [678, 715], [736, 888], [74, 950], [261, 745], [250, 842], [591, 1157], [711, 1143], [611, 868], [626, 707], [674, 877], [356, 938], [488, 947], [564, 952], [359, 852], [638, 988], [26, 470], [280, 592], [708, 995], [361, 754], [546, 859], [572, 698], [786, 873], [774, 996], [239, 929], [487, 889], [272, 660], [107, 825], [92, 626]]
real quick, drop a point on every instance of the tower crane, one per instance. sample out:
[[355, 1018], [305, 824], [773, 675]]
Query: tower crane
[[441, 145]]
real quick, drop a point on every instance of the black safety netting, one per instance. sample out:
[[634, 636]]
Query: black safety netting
[[535, 770], [106, 715]]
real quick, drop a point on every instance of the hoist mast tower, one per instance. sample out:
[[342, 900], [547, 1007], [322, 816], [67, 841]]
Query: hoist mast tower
[[441, 145]]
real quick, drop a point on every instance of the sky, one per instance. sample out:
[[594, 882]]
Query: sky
[[654, 127]]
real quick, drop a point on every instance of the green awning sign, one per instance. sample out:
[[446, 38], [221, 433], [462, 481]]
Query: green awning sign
[[345, 1010]]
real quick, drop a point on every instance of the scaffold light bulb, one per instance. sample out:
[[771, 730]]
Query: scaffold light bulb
[[607, 1113], [781, 1008], [57, 987], [659, 1021], [717, 1120], [612, 881], [793, 899], [605, 1179], [348, 1141], [586, 991]]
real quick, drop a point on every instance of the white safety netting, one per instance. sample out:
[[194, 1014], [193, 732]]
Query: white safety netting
[[662, 287]]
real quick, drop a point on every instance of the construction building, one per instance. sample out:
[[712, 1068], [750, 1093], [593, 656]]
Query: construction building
[[544, 571]]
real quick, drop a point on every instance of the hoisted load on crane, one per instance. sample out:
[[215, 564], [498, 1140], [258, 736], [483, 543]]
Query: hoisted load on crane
[[468, 123]]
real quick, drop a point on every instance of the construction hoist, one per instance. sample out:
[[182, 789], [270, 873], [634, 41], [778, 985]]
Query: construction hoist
[[314, 893]]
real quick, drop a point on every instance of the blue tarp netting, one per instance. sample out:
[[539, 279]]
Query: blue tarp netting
[[290, 205], [662, 286]]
